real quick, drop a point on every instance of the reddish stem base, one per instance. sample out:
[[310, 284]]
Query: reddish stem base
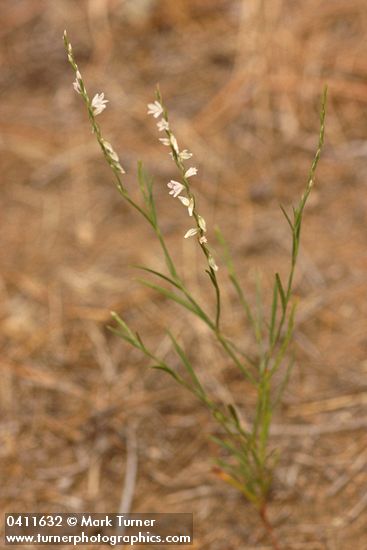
[[268, 527]]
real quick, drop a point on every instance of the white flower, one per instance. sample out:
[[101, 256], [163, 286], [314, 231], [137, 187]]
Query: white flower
[[98, 103], [212, 263], [185, 155], [203, 240], [202, 223], [184, 201], [162, 125], [191, 172], [111, 153], [165, 141], [113, 157], [191, 206], [176, 187], [191, 232], [155, 109], [76, 83], [119, 168], [174, 144], [189, 203], [70, 50]]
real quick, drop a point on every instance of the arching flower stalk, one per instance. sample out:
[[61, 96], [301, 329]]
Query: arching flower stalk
[[182, 190]]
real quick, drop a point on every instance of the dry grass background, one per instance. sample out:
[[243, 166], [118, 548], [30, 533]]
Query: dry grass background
[[243, 81]]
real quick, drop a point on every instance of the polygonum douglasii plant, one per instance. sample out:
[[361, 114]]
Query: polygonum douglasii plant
[[249, 462]]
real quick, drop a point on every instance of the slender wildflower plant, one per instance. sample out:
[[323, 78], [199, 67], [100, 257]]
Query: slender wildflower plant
[[249, 462]]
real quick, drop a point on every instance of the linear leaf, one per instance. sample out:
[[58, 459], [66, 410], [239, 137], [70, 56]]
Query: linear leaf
[[281, 291], [286, 216], [233, 276], [274, 308], [185, 361], [169, 294], [169, 371], [283, 383], [159, 274]]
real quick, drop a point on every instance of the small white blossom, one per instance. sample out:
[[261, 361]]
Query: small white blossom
[[111, 153], [176, 188], [212, 263], [119, 168], [155, 109], [185, 155], [202, 223], [162, 125], [174, 144], [165, 141], [191, 172], [189, 203], [185, 201], [203, 240], [191, 232], [113, 157], [98, 103], [191, 206], [76, 83], [70, 50]]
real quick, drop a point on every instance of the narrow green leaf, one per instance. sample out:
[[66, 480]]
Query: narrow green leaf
[[282, 295], [243, 301], [190, 304], [233, 277], [141, 181], [286, 216], [170, 295], [123, 336], [232, 449], [169, 371], [232, 479], [286, 341], [160, 275], [234, 415], [274, 309], [249, 359], [123, 325], [259, 311], [284, 383], [186, 363]]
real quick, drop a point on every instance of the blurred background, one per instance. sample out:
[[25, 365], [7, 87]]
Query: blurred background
[[79, 409]]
